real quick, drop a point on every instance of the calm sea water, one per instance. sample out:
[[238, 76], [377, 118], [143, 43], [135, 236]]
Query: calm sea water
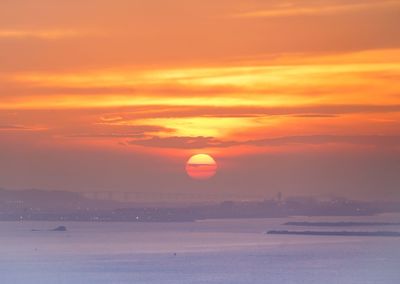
[[211, 251]]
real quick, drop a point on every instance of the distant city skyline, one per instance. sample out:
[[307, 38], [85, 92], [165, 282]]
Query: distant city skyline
[[41, 205]]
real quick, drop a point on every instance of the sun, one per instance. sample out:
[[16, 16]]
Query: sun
[[201, 166]]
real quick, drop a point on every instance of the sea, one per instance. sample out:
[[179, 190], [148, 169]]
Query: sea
[[208, 251]]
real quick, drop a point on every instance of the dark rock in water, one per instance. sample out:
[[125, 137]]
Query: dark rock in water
[[59, 229]]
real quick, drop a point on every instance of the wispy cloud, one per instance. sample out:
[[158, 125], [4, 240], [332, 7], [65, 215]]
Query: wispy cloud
[[300, 9], [306, 111], [44, 34], [14, 127], [112, 130], [201, 142]]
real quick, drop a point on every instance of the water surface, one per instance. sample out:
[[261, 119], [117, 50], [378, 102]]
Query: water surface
[[210, 251]]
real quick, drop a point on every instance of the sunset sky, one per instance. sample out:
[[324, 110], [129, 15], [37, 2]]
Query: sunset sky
[[301, 97]]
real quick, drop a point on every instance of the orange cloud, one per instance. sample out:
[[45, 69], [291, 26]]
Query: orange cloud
[[216, 106]]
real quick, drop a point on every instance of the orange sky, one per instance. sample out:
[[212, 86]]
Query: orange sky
[[109, 87]]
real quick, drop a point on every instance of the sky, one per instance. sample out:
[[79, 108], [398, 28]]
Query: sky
[[299, 97]]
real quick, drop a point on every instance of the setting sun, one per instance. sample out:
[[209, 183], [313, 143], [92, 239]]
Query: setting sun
[[201, 166]]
